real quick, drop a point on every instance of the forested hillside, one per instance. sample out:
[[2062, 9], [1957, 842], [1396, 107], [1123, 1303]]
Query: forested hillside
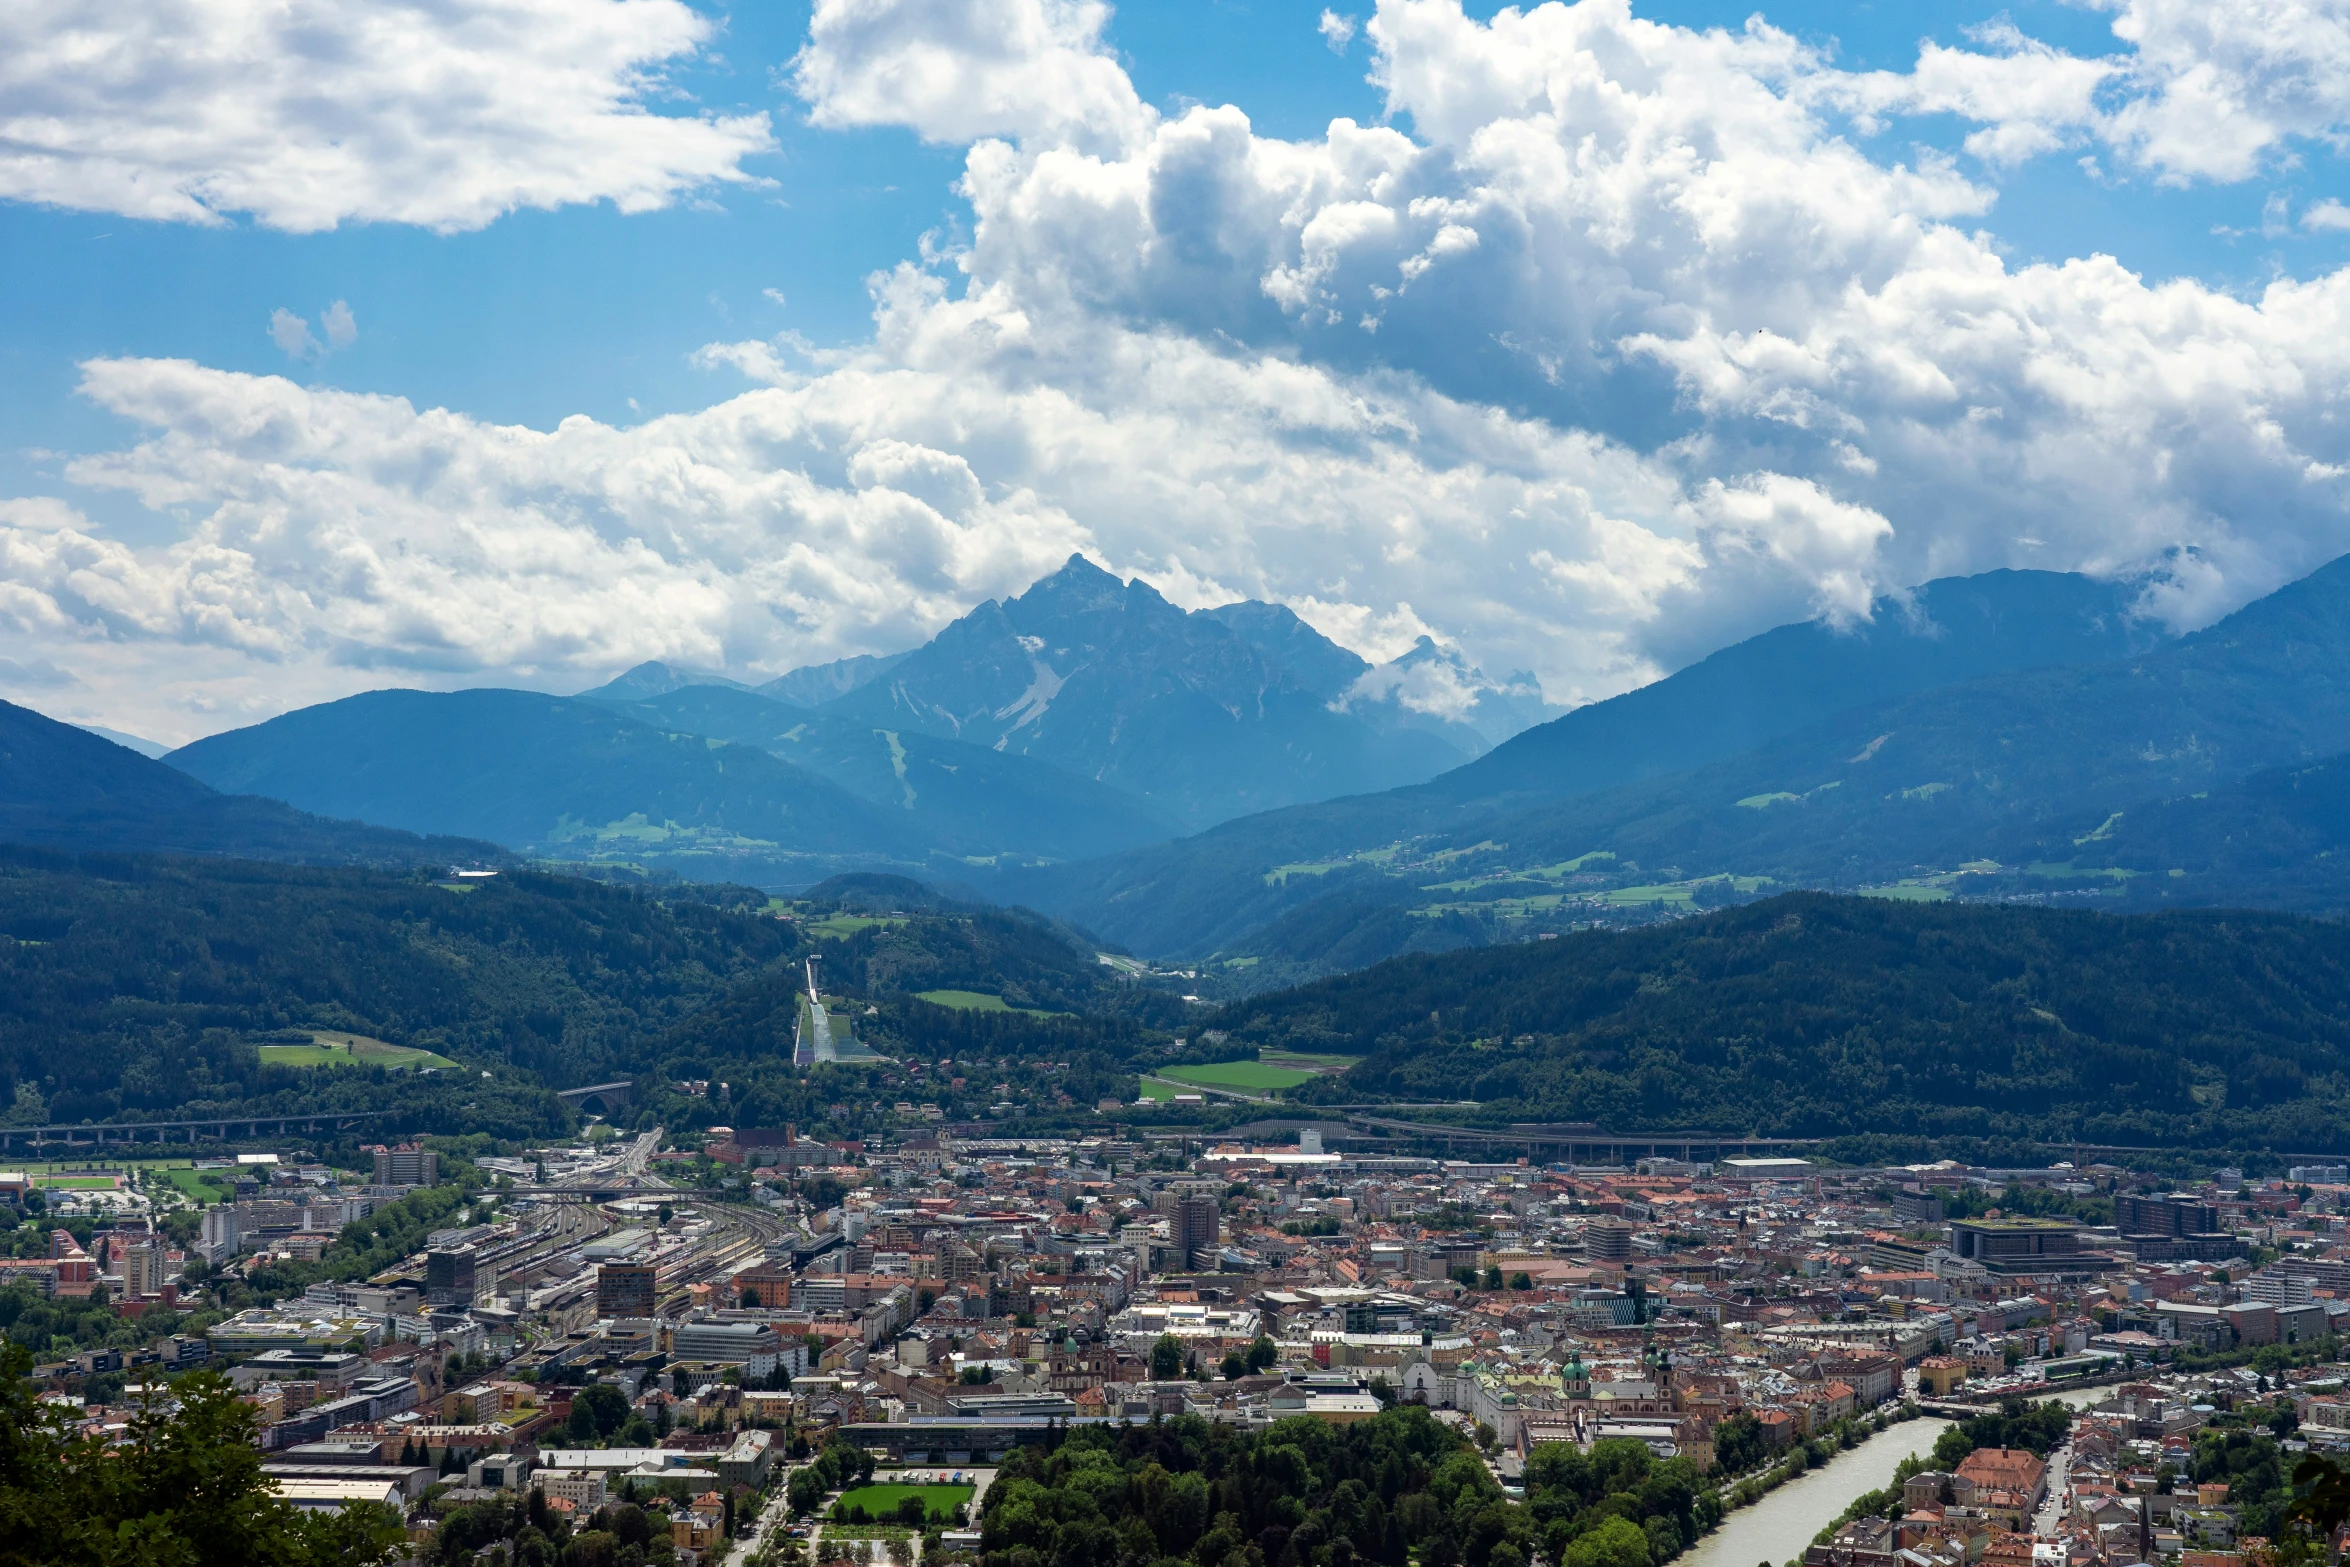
[[966, 799], [1809, 1015], [151, 989], [143, 988], [137, 986], [1023, 993], [64, 787]]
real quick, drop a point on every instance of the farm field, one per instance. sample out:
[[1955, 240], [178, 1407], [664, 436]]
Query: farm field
[[881, 1501], [332, 1049]]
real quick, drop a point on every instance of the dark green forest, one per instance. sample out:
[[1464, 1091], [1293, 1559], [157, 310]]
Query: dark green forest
[[1306, 1493], [134, 986], [183, 1486], [141, 987], [1810, 1015]]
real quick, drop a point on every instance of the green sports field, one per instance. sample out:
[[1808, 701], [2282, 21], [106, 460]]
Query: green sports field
[[881, 1501]]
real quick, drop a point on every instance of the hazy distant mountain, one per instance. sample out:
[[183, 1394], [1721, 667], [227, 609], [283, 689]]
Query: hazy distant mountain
[[1429, 689], [2008, 767], [967, 800], [813, 685], [1318, 665], [148, 748], [653, 678], [1205, 715], [1435, 689], [556, 776], [1540, 796], [1951, 629], [63, 787]]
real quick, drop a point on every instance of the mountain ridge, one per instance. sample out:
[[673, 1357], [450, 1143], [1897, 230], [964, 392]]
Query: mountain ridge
[[1207, 714], [570, 778], [63, 787], [966, 799], [1196, 896]]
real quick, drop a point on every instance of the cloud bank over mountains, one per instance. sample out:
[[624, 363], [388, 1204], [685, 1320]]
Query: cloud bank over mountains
[[1618, 341]]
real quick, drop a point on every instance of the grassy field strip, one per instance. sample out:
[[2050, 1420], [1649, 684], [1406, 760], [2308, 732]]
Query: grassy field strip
[[842, 926], [1240, 1074], [976, 1001], [334, 1049]]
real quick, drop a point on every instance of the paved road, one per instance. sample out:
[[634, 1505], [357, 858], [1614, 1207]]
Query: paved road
[[776, 1513], [2044, 1521]]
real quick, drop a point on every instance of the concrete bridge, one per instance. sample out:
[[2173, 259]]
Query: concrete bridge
[[221, 1129], [605, 1097]]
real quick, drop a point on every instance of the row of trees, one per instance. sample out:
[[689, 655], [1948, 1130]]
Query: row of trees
[[837, 1468]]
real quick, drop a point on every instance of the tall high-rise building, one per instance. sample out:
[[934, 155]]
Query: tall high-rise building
[[448, 1276], [223, 1233], [626, 1289], [407, 1165], [1193, 1230], [143, 1267]]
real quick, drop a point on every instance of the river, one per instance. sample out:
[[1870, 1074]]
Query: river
[[1779, 1527]]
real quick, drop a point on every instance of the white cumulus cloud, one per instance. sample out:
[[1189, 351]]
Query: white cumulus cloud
[[957, 70], [310, 113], [1612, 343], [2219, 89]]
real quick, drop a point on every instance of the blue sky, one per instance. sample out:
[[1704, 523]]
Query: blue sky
[[541, 315], [545, 314]]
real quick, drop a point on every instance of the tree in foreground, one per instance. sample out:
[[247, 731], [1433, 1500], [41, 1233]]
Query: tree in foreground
[[184, 1488]]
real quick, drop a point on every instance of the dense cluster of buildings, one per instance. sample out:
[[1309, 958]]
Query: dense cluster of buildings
[[2120, 1490], [962, 1294]]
